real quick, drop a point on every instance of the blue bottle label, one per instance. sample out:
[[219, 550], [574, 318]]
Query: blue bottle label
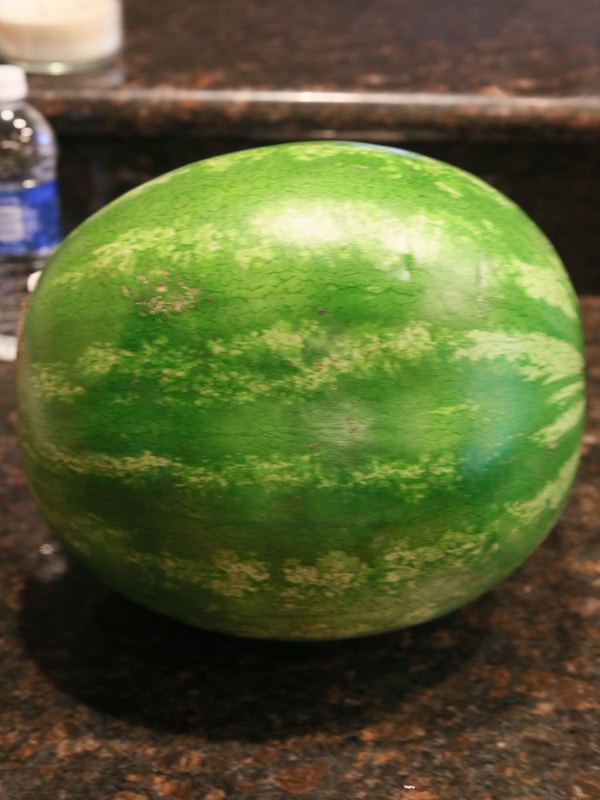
[[29, 221]]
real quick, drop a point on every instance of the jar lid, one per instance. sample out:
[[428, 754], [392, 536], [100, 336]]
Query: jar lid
[[13, 83]]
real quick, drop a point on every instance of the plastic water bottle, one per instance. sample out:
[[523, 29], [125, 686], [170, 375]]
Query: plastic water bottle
[[29, 206]]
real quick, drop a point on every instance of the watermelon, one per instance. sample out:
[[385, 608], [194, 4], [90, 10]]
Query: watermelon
[[306, 391]]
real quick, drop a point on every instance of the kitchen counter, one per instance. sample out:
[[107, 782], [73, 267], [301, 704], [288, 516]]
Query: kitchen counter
[[102, 700], [384, 70]]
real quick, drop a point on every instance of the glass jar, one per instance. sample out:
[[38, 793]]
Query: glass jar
[[59, 36]]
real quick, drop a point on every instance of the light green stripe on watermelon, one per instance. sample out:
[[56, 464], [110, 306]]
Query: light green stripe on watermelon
[[545, 286], [308, 360], [126, 254], [52, 384], [562, 425], [233, 577], [412, 481], [549, 496], [576, 388], [307, 470], [536, 356]]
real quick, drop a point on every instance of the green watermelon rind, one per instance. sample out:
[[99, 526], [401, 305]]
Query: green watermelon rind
[[306, 391]]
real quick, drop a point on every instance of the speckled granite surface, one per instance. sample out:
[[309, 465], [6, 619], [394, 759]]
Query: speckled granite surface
[[280, 68], [101, 700]]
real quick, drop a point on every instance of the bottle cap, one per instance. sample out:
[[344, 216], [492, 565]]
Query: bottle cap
[[13, 83]]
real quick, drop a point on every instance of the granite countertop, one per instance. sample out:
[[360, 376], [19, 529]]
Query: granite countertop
[[379, 70], [102, 700]]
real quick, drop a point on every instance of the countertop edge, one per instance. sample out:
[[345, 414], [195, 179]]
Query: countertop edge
[[282, 114]]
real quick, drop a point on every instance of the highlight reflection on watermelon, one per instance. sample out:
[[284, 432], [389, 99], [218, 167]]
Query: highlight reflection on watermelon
[[312, 390]]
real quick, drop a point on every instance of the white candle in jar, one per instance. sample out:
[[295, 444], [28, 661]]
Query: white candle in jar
[[62, 31]]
